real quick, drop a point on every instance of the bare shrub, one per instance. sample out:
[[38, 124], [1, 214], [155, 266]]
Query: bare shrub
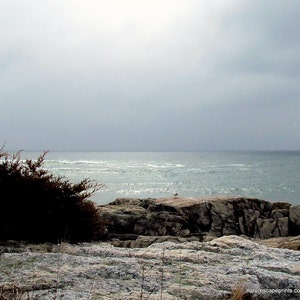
[[37, 206]]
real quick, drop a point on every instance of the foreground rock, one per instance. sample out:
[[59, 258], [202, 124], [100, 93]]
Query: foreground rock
[[199, 218], [193, 270], [292, 243]]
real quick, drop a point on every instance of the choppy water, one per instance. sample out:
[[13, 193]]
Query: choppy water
[[267, 175]]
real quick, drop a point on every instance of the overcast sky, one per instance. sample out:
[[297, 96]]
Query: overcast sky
[[150, 75]]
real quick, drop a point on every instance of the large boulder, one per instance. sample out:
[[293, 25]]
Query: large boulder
[[198, 217]]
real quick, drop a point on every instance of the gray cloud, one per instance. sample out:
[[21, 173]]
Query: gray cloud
[[150, 75]]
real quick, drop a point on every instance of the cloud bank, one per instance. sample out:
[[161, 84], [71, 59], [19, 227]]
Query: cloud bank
[[150, 75]]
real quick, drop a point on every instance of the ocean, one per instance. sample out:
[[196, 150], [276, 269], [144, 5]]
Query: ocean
[[272, 176]]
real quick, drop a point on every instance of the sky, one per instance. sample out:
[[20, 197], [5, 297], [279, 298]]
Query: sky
[[159, 75]]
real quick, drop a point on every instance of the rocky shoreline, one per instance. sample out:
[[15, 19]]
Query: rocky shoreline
[[169, 248], [133, 222]]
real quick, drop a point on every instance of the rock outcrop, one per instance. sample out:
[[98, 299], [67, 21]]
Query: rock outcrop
[[199, 218], [228, 267]]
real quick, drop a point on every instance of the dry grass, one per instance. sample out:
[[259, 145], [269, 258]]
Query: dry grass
[[239, 292]]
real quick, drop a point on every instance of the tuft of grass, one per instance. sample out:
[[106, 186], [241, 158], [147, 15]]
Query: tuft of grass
[[239, 292]]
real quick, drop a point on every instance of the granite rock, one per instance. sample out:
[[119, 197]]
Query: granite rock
[[199, 217], [218, 269], [291, 242]]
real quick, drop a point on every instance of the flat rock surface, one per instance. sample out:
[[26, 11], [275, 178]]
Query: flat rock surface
[[190, 201], [190, 270]]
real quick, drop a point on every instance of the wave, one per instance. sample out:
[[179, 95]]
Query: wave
[[65, 169], [162, 166], [76, 162]]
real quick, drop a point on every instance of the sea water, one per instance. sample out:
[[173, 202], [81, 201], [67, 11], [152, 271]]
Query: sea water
[[272, 176]]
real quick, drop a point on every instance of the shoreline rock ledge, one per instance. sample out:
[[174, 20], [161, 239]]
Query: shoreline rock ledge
[[133, 222]]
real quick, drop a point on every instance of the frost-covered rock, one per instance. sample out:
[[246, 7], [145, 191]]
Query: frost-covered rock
[[190, 270]]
